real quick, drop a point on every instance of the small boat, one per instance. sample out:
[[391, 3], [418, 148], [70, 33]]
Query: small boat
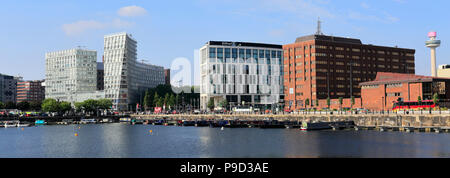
[[23, 124], [39, 122], [10, 124]]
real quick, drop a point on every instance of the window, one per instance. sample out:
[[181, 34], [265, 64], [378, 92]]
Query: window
[[212, 52]]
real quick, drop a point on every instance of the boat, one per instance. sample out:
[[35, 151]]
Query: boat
[[39, 122], [315, 126], [10, 124], [88, 121], [23, 124]]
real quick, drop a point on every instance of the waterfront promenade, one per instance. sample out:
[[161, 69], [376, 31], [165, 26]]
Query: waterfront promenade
[[395, 121]]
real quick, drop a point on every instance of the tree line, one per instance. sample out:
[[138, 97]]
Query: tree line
[[163, 95]]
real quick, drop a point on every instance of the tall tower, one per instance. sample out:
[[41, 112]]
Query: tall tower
[[433, 44]]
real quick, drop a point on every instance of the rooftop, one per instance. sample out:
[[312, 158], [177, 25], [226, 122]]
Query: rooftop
[[387, 78], [328, 38], [244, 44]]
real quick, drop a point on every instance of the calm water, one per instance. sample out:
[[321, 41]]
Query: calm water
[[118, 141]]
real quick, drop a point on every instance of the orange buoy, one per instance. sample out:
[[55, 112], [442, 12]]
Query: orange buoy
[[151, 131], [23, 129], [76, 135]]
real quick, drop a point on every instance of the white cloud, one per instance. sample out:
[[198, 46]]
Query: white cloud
[[132, 11], [81, 26]]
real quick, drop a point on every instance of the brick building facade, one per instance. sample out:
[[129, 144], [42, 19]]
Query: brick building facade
[[388, 88], [30, 91], [317, 67]]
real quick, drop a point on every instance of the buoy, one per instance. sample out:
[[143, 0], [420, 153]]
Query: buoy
[[222, 128], [76, 135], [23, 129], [151, 131]]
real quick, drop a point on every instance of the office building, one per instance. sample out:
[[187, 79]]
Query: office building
[[8, 88], [318, 66], [126, 78], [243, 73], [167, 76], [444, 71], [100, 76], [70, 72], [30, 91]]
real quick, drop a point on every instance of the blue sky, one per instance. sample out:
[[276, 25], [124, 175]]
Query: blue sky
[[169, 29]]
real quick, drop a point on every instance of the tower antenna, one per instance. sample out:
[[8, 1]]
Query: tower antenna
[[319, 27]]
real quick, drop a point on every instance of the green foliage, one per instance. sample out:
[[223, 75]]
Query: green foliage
[[23, 106], [223, 103], [317, 102], [2, 105], [156, 100], [328, 102], [419, 99], [50, 105], [64, 107], [35, 105], [148, 100], [10, 105], [211, 104], [307, 102], [166, 99], [436, 98], [104, 104], [341, 100], [172, 100]]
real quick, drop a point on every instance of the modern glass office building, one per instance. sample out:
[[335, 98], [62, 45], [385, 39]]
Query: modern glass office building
[[70, 72], [247, 74], [126, 78]]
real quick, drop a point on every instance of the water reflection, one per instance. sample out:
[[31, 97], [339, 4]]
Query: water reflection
[[118, 140]]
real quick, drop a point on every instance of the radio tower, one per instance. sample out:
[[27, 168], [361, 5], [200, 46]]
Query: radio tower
[[319, 27], [433, 44]]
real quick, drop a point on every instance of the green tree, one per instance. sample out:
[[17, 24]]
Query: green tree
[[419, 99], [160, 102], [211, 104], [436, 99], [147, 100], [23, 106], [317, 102], [91, 105], [224, 104], [156, 100], [50, 105], [35, 105], [353, 101], [2, 105], [104, 103], [328, 102], [172, 101], [341, 101], [307, 102], [79, 106], [64, 107], [166, 99], [10, 105]]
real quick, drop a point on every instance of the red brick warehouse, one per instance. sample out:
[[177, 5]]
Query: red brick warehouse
[[388, 88], [318, 66]]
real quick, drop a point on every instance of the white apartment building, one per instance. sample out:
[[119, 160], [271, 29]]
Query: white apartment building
[[126, 78], [70, 72], [242, 73]]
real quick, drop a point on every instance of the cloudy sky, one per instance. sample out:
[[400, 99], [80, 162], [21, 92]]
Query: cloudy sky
[[169, 29]]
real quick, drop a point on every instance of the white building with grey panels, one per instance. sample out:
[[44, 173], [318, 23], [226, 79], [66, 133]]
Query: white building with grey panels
[[242, 73]]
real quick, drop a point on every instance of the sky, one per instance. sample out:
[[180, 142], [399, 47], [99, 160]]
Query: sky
[[169, 29]]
